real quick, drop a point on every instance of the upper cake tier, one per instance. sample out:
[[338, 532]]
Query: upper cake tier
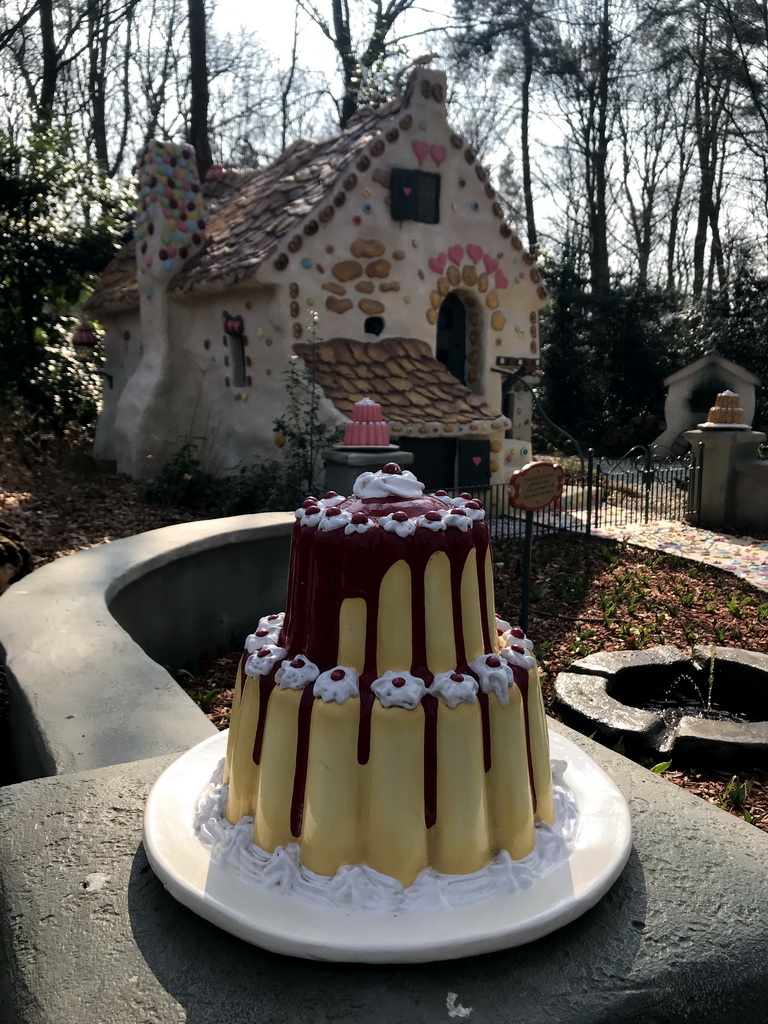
[[390, 580]]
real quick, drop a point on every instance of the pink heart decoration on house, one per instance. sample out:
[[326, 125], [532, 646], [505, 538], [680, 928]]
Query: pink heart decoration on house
[[455, 254], [501, 280], [437, 263], [491, 264], [439, 154], [421, 149], [474, 252], [476, 459], [407, 189]]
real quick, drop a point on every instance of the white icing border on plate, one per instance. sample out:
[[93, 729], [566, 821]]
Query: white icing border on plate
[[356, 887]]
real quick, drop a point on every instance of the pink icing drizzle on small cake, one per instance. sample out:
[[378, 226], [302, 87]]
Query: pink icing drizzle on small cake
[[367, 427]]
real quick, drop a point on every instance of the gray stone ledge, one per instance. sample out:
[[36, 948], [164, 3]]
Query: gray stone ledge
[[86, 639], [680, 937]]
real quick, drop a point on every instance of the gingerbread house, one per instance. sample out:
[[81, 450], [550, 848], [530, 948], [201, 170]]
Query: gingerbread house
[[389, 235]]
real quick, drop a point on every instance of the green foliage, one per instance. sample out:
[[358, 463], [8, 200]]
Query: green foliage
[[303, 430], [58, 226], [661, 767], [182, 482]]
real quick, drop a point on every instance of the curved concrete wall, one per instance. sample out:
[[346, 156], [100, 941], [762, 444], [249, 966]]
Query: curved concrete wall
[[88, 639]]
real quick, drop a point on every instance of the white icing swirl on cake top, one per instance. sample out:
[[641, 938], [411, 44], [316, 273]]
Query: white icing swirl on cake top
[[296, 673], [402, 484], [331, 499], [455, 688], [399, 689], [267, 632], [495, 676], [338, 685]]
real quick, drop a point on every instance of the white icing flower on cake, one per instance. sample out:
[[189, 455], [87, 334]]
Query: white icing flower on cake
[[459, 519], [334, 519], [338, 684], [399, 689], [433, 520], [495, 676], [331, 499], [475, 510], [359, 523], [312, 515], [296, 673], [502, 626], [514, 636], [262, 661], [455, 688], [399, 523], [517, 655], [273, 621], [460, 500], [389, 482], [261, 637]]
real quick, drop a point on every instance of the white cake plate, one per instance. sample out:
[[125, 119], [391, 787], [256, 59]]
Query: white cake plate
[[284, 924]]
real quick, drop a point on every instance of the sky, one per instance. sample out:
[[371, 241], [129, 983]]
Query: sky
[[315, 51]]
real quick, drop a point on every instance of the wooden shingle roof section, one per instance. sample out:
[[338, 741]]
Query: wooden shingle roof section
[[419, 397]]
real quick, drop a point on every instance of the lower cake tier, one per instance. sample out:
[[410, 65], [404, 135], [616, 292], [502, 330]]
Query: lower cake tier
[[439, 786]]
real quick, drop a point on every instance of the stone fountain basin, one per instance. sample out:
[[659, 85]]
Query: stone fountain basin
[[600, 694]]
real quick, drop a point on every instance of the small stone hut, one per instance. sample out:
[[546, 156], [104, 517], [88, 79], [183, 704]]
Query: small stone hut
[[692, 391]]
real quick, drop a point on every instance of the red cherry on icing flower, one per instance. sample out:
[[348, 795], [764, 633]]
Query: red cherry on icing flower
[[262, 632], [433, 516], [308, 501], [273, 617], [441, 494], [337, 675], [459, 512], [297, 663], [457, 677], [516, 649], [516, 631], [398, 681], [359, 517], [313, 510], [492, 661], [331, 494], [263, 652], [400, 517], [333, 511], [464, 494], [474, 504], [393, 468]]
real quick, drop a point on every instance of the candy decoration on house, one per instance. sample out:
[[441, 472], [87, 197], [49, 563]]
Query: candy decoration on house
[[232, 325], [84, 341]]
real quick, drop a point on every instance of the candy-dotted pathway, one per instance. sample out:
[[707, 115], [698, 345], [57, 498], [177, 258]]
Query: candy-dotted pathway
[[745, 557]]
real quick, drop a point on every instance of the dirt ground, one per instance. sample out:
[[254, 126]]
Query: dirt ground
[[587, 595]]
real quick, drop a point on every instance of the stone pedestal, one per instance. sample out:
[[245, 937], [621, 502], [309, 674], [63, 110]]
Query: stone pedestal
[[727, 455], [343, 467]]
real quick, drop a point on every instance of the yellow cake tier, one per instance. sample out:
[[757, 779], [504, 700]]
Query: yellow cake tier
[[374, 813]]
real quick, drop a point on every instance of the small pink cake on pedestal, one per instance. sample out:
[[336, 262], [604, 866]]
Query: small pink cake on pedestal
[[366, 429]]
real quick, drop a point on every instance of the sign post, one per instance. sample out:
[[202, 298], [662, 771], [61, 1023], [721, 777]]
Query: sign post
[[532, 488]]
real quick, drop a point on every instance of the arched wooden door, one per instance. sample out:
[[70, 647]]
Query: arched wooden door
[[450, 347]]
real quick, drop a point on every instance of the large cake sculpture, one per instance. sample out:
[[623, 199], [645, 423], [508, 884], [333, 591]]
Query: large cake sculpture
[[390, 718]]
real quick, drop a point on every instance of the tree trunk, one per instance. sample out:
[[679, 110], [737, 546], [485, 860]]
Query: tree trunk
[[527, 44], [198, 80], [50, 62]]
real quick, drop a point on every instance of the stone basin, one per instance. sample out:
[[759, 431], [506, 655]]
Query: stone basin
[[629, 696]]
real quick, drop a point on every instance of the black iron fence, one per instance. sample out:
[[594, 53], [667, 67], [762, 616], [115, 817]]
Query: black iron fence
[[644, 485]]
